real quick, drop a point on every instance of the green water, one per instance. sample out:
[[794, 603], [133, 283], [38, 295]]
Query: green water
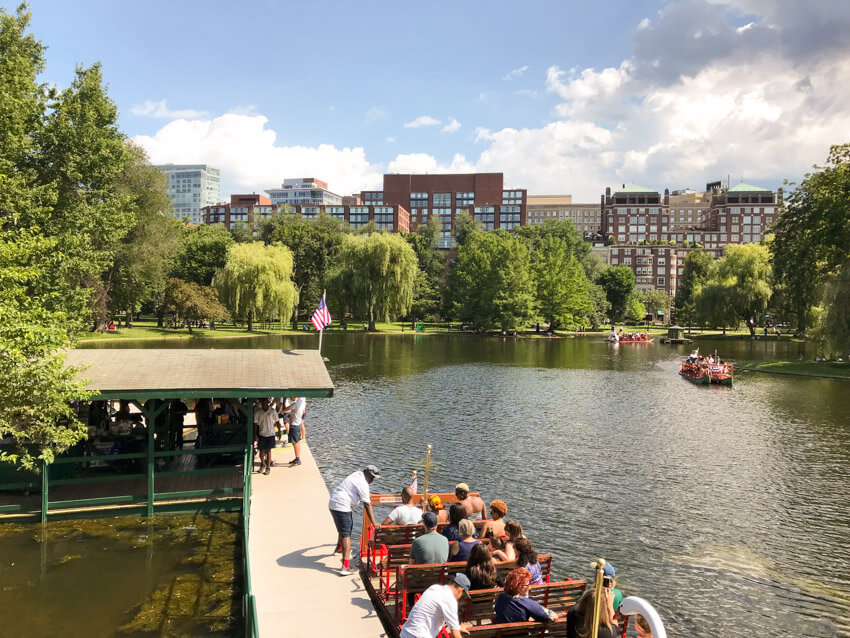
[[127, 577]]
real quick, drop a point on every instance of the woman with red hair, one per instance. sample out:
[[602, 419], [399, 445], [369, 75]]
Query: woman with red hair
[[514, 605]]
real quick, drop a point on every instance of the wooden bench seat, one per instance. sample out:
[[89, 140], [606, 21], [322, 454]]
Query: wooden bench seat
[[560, 596], [520, 630]]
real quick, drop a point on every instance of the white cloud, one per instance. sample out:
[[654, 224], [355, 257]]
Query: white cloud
[[644, 24], [516, 73], [375, 113], [452, 126], [160, 110], [251, 159], [391, 139], [424, 163], [422, 120]]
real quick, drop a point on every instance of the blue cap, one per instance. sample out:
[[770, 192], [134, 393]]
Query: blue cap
[[429, 520], [460, 579], [609, 570]]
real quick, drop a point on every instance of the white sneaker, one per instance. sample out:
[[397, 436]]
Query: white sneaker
[[345, 571]]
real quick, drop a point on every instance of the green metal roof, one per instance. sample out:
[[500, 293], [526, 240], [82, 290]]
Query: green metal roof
[[184, 373], [748, 188], [634, 188]]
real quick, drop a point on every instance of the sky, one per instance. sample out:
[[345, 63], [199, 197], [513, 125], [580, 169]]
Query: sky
[[562, 96]]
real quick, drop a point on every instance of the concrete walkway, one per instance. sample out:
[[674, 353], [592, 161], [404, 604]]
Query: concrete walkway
[[293, 568]]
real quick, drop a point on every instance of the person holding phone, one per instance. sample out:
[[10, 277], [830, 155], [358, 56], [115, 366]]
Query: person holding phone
[[609, 580]]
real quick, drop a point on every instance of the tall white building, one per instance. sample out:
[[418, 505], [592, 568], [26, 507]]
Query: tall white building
[[191, 187], [303, 190]]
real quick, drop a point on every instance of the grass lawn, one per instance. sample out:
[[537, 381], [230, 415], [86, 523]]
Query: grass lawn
[[839, 369]]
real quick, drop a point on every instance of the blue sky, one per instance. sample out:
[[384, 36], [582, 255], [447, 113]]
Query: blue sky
[[563, 97]]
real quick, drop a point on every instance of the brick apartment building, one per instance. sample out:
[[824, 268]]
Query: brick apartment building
[[483, 195], [587, 218]]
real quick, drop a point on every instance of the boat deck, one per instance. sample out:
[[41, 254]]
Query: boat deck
[[293, 568]]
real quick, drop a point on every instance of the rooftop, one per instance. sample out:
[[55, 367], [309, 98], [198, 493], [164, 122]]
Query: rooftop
[[119, 373], [634, 188], [748, 188]]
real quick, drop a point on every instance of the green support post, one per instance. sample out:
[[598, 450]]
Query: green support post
[[150, 422], [44, 488]]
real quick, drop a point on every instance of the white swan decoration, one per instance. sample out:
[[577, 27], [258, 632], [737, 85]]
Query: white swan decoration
[[633, 605]]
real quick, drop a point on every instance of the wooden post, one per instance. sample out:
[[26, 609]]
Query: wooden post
[[597, 600], [427, 470], [44, 491]]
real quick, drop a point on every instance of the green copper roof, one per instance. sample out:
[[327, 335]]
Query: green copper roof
[[748, 188], [634, 188]]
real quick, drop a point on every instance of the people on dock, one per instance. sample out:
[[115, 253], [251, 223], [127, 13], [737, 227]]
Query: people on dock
[[436, 607], [265, 435], [526, 557], [466, 543], [514, 605], [406, 513], [481, 568], [430, 547], [474, 505], [345, 497], [436, 504], [580, 617], [296, 432], [495, 527]]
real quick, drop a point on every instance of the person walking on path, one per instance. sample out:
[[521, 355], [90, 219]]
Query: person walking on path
[[296, 431], [352, 490], [435, 608], [265, 436]]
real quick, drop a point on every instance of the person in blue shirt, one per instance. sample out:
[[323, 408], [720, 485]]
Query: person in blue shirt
[[514, 605]]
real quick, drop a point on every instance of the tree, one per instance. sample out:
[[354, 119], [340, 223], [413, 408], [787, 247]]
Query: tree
[[315, 245], [490, 282], [143, 258], [618, 283], [191, 302], [375, 276], [811, 236], [464, 227], [256, 282], [834, 330], [427, 299], [635, 310], [655, 301], [202, 253], [714, 304], [563, 291], [740, 283], [694, 273]]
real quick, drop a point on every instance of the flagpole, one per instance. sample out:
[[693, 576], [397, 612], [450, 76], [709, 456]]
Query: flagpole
[[322, 329], [427, 469]]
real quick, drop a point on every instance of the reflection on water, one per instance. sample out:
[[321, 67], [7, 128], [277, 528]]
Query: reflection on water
[[726, 508]]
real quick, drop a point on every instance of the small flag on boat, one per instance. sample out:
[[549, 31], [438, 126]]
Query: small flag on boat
[[414, 486], [321, 318]]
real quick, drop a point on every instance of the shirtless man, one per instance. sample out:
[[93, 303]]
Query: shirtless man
[[473, 504]]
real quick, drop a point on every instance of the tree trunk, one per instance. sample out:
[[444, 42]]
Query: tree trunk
[[250, 322], [294, 318], [160, 317]]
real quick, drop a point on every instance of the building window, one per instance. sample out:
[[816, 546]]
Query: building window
[[660, 281], [442, 199]]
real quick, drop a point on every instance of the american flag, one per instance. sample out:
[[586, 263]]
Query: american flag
[[321, 318]]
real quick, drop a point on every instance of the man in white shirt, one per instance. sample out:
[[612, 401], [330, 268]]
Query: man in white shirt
[[404, 514], [435, 608], [265, 434], [345, 497], [296, 417]]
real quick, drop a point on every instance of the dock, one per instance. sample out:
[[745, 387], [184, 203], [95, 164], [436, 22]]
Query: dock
[[291, 540]]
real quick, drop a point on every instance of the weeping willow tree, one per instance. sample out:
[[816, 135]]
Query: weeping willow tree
[[256, 282], [375, 276]]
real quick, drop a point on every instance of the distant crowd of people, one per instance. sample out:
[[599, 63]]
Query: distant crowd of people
[[458, 541]]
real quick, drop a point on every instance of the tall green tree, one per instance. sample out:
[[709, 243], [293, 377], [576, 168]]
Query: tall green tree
[[375, 276], [619, 285], [811, 236], [191, 302], [656, 301], [427, 297], [202, 252], [465, 226], [315, 245], [563, 291], [490, 282], [834, 328], [694, 274], [256, 282]]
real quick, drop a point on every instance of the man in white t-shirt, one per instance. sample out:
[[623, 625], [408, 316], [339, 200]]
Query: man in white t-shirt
[[406, 513], [353, 490], [296, 416], [435, 608], [265, 434]]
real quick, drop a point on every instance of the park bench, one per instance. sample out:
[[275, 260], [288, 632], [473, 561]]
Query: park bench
[[559, 597], [414, 579], [520, 630]]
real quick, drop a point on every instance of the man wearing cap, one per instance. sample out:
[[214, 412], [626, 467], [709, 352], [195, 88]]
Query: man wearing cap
[[610, 573], [474, 505], [435, 608], [430, 547], [344, 498]]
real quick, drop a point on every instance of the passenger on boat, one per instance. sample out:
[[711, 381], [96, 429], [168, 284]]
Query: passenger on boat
[[474, 505], [495, 528], [611, 574], [526, 557], [430, 547], [514, 605], [514, 532], [580, 617], [345, 497], [457, 513], [439, 509], [481, 568], [406, 513], [437, 607], [460, 551], [642, 628]]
